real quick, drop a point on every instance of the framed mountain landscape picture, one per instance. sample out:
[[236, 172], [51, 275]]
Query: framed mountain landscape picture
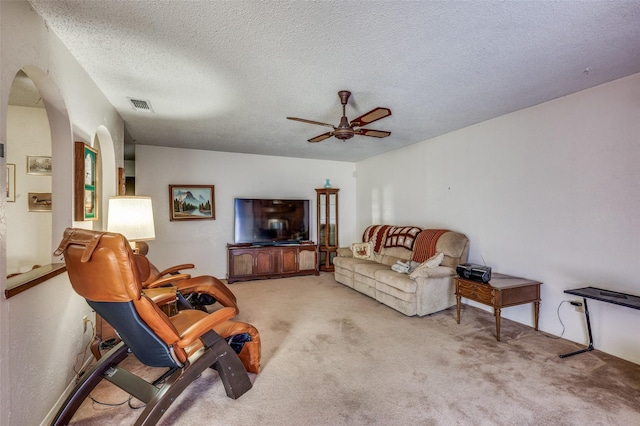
[[192, 202]]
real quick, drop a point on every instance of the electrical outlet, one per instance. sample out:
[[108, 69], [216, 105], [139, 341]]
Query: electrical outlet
[[85, 320], [578, 305]]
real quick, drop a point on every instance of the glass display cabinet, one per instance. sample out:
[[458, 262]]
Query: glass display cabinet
[[327, 217]]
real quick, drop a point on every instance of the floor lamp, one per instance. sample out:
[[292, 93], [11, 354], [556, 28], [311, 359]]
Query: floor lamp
[[132, 216]]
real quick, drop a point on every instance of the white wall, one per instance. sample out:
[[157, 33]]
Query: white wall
[[27, 134], [41, 328], [203, 242], [550, 193]]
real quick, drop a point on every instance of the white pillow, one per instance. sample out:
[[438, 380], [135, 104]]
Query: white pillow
[[431, 262], [362, 250]]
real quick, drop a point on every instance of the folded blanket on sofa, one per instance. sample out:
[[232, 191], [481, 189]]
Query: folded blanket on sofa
[[401, 267]]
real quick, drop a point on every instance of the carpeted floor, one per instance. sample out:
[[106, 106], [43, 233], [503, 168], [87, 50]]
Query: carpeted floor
[[332, 356]]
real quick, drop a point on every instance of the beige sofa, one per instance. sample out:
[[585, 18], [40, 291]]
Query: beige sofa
[[426, 289]]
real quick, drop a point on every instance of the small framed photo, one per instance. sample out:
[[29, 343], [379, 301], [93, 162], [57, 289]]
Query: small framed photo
[[122, 181], [39, 201], [11, 183], [38, 165], [86, 173], [192, 202]]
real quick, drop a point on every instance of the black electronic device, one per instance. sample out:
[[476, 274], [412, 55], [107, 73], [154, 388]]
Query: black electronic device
[[271, 221], [474, 272]]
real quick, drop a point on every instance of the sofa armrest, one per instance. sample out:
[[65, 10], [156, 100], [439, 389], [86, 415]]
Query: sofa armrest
[[436, 272], [344, 252]]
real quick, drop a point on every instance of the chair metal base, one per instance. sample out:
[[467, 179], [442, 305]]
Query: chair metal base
[[217, 354]]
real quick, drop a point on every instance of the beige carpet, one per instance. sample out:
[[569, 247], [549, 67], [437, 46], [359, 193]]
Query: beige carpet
[[332, 356]]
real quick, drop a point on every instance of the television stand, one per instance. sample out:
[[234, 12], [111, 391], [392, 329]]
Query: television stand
[[622, 299], [257, 262]]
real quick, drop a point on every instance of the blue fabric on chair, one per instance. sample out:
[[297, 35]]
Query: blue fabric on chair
[[148, 348]]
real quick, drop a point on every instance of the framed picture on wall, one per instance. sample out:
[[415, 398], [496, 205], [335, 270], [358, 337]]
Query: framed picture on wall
[[38, 165], [122, 182], [11, 183], [192, 202], [86, 189], [39, 202]]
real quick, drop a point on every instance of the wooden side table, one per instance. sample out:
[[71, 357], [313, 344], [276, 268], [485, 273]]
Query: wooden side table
[[501, 292]]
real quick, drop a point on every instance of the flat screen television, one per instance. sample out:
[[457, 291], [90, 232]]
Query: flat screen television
[[270, 221]]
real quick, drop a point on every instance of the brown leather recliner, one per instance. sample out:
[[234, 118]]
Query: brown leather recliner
[[192, 288], [102, 269]]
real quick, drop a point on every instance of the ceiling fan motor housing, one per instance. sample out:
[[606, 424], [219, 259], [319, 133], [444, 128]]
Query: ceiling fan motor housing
[[344, 129], [343, 133]]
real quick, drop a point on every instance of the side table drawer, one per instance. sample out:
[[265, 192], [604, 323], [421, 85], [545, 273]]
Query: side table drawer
[[478, 292]]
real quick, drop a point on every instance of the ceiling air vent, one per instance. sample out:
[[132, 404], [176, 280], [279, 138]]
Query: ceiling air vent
[[140, 105]]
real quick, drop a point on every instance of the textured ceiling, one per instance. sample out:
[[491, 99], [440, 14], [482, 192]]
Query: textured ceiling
[[223, 75]]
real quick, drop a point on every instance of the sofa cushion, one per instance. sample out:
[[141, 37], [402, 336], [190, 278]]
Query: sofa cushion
[[391, 255], [344, 252], [432, 262], [407, 307], [349, 263], [401, 283], [437, 272], [362, 250], [363, 278], [369, 269], [455, 247]]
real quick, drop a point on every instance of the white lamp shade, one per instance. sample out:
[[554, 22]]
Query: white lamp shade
[[131, 217]]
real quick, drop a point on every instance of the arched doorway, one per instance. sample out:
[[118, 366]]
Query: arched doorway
[[29, 208], [103, 142], [37, 129]]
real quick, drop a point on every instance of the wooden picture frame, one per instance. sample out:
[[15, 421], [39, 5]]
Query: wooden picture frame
[[39, 165], [122, 181], [192, 202], [86, 186], [39, 202], [11, 183]]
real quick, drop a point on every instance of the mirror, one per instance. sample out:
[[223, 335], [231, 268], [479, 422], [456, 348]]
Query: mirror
[[29, 209]]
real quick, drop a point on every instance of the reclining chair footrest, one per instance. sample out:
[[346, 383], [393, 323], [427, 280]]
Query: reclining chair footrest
[[227, 364], [230, 369]]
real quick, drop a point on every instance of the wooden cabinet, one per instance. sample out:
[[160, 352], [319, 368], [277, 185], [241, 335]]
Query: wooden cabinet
[[327, 217], [247, 262]]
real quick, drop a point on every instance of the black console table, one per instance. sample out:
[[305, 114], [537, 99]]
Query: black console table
[[622, 299]]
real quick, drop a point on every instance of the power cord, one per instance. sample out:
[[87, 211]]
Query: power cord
[[81, 361], [560, 319], [159, 381], [118, 404]]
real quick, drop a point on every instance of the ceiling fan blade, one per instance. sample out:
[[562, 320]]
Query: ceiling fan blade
[[311, 122], [321, 137], [371, 116], [373, 133]]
